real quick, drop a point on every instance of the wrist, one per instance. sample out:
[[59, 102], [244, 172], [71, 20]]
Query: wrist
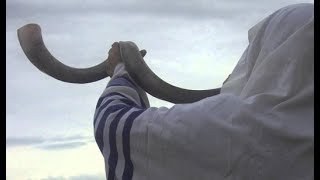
[[119, 70]]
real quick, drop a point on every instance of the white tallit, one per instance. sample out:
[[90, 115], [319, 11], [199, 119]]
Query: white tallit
[[260, 127]]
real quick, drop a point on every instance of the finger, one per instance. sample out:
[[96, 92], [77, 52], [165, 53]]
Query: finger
[[143, 52]]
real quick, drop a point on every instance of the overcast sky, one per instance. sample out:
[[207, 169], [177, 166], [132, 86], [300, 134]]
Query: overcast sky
[[193, 44]]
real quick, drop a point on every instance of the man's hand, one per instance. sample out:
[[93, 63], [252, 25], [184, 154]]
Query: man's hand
[[114, 58]]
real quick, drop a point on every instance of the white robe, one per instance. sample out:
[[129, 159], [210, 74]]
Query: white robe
[[260, 127]]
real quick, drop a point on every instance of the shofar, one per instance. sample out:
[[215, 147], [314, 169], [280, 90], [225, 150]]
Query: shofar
[[31, 41]]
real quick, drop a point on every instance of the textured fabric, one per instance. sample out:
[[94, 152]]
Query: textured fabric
[[259, 127]]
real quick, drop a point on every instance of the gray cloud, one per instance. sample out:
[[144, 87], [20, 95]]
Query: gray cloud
[[166, 8], [55, 143], [23, 141], [16, 9], [62, 146]]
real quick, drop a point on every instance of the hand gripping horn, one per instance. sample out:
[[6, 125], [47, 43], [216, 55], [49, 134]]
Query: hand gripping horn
[[31, 42]]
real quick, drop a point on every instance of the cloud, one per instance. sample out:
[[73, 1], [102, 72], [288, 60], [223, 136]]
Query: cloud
[[54, 178], [86, 177], [23, 141], [190, 9], [54, 143], [60, 146], [186, 9], [78, 177]]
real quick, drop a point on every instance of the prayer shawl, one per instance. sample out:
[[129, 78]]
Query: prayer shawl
[[260, 127]]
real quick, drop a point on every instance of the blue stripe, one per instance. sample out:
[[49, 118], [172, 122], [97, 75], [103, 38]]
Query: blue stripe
[[128, 168], [111, 175], [128, 79], [125, 101], [113, 157], [135, 87], [130, 84], [108, 95], [121, 81], [99, 131], [125, 81], [100, 109]]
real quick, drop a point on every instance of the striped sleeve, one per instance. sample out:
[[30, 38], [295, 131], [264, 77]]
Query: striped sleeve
[[122, 100]]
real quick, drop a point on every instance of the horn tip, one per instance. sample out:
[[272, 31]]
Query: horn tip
[[29, 27], [27, 31]]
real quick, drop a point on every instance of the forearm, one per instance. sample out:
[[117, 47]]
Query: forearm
[[120, 96], [120, 103]]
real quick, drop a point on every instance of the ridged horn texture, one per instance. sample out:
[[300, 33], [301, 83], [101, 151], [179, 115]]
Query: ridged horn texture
[[31, 41]]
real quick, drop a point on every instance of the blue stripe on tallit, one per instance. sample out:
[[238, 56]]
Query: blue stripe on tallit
[[113, 157], [125, 101], [128, 168], [99, 131], [123, 106], [108, 95], [122, 81]]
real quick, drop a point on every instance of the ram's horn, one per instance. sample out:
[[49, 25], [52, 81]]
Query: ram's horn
[[30, 39], [155, 86]]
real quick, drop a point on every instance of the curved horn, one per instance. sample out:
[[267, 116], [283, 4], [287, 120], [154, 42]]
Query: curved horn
[[30, 39], [154, 85]]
